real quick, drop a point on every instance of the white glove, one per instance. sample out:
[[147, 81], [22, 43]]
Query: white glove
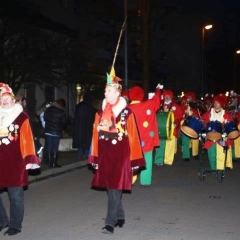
[[135, 168], [159, 86], [95, 166], [32, 166]]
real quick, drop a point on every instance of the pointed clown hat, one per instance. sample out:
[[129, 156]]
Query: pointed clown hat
[[113, 80], [5, 89]]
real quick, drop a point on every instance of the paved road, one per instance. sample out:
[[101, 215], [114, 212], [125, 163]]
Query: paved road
[[177, 207]]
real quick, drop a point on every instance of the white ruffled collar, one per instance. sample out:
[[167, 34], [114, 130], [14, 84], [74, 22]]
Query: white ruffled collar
[[7, 117], [118, 108]]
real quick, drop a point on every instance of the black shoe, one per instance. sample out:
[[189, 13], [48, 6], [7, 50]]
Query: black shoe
[[11, 232], [2, 227], [145, 186], [108, 229], [120, 223], [186, 159], [195, 157]]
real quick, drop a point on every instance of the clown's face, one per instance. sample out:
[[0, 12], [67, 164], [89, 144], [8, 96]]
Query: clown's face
[[167, 99], [217, 105], [7, 101], [111, 94]]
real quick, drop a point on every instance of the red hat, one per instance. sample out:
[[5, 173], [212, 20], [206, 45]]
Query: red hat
[[5, 89], [167, 92], [221, 98], [190, 95], [136, 94], [125, 93]]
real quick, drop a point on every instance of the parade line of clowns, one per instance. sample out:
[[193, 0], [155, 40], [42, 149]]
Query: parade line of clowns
[[132, 132], [215, 121], [165, 123]]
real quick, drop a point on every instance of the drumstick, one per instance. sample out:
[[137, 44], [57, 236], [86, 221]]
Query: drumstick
[[199, 113]]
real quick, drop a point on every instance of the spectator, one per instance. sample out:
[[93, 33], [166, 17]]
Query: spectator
[[22, 100], [55, 118], [83, 125]]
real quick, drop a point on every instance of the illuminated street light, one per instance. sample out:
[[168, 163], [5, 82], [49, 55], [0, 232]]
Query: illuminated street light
[[208, 27], [204, 28]]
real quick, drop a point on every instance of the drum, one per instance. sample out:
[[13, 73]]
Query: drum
[[192, 126], [214, 130], [231, 130], [165, 121]]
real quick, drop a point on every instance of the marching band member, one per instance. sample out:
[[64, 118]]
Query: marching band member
[[208, 101], [186, 141], [145, 113], [236, 142], [215, 149], [164, 154]]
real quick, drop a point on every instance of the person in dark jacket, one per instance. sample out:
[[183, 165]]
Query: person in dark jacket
[[83, 126], [55, 118]]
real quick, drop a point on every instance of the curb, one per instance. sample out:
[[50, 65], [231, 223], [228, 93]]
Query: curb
[[53, 172]]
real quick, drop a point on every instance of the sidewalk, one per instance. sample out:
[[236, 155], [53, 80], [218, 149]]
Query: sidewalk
[[68, 160]]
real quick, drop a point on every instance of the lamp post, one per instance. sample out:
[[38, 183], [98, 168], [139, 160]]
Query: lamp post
[[204, 28], [237, 52]]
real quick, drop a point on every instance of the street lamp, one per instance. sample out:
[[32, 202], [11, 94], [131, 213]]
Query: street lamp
[[237, 52], [204, 28]]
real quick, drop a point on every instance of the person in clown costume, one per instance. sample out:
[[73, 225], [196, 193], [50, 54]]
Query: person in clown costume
[[164, 154], [236, 142], [208, 101], [215, 149], [145, 112], [17, 155], [187, 142], [115, 150]]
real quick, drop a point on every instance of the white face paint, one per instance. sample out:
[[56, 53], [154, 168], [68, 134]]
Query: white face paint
[[111, 94], [167, 99], [7, 101], [217, 106]]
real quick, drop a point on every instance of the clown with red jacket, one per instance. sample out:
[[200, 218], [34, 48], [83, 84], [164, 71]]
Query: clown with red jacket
[[236, 144], [216, 153], [17, 155], [145, 113], [186, 141], [164, 154]]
